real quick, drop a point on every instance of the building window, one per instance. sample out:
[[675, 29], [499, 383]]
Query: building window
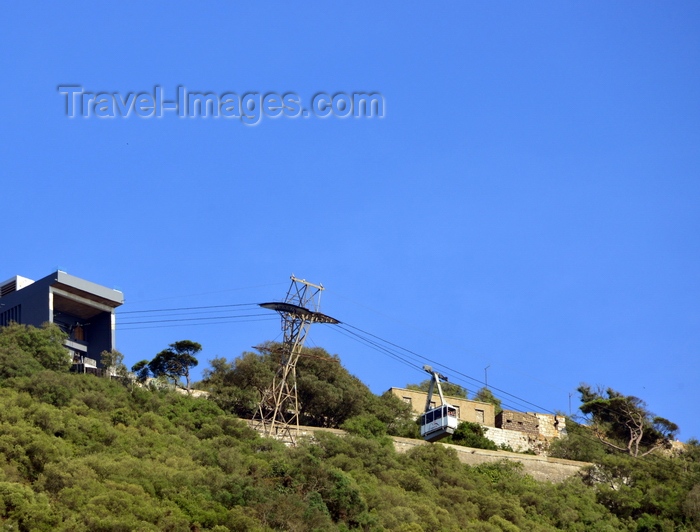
[[432, 404], [479, 416], [407, 400]]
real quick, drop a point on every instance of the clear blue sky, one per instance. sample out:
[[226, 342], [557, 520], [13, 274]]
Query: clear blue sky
[[529, 201]]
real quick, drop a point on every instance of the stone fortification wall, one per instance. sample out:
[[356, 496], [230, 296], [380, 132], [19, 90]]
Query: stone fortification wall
[[512, 420], [527, 431], [517, 440], [551, 426]]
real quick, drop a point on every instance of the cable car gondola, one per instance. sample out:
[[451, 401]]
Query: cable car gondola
[[438, 422]]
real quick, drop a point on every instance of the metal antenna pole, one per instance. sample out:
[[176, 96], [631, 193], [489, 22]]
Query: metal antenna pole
[[278, 410]]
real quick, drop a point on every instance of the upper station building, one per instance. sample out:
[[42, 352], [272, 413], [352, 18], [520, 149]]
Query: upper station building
[[83, 310]]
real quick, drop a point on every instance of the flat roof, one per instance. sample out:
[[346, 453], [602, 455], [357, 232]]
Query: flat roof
[[87, 289], [69, 284]]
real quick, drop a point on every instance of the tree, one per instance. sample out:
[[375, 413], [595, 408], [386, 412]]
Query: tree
[[176, 361], [471, 435], [365, 425], [328, 394], [114, 360], [624, 423], [486, 396], [396, 414], [141, 370], [578, 444], [448, 389], [25, 349], [238, 386]]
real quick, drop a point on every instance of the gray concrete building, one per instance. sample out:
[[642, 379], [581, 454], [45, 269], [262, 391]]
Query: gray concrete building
[[83, 310]]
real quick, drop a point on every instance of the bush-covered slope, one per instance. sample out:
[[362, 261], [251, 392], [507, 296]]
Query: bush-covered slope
[[80, 453]]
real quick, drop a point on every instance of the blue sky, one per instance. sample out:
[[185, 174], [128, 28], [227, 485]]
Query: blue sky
[[528, 202]]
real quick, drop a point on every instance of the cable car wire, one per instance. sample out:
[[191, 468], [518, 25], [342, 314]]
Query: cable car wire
[[199, 318], [451, 370], [376, 347], [228, 321], [187, 308], [393, 354]]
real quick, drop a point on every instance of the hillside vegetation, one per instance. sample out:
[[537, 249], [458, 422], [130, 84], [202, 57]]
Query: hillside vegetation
[[80, 453]]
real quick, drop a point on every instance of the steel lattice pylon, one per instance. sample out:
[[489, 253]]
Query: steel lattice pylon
[[278, 411]]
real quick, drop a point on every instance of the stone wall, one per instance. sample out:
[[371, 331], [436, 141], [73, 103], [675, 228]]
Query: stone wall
[[517, 440], [551, 426], [527, 431], [512, 420]]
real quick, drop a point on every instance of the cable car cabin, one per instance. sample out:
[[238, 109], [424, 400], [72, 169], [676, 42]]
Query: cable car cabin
[[438, 423]]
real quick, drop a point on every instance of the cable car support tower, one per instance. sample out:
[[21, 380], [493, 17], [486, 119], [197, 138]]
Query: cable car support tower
[[278, 411]]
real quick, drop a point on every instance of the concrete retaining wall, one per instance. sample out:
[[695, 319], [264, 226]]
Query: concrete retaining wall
[[541, 468]]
